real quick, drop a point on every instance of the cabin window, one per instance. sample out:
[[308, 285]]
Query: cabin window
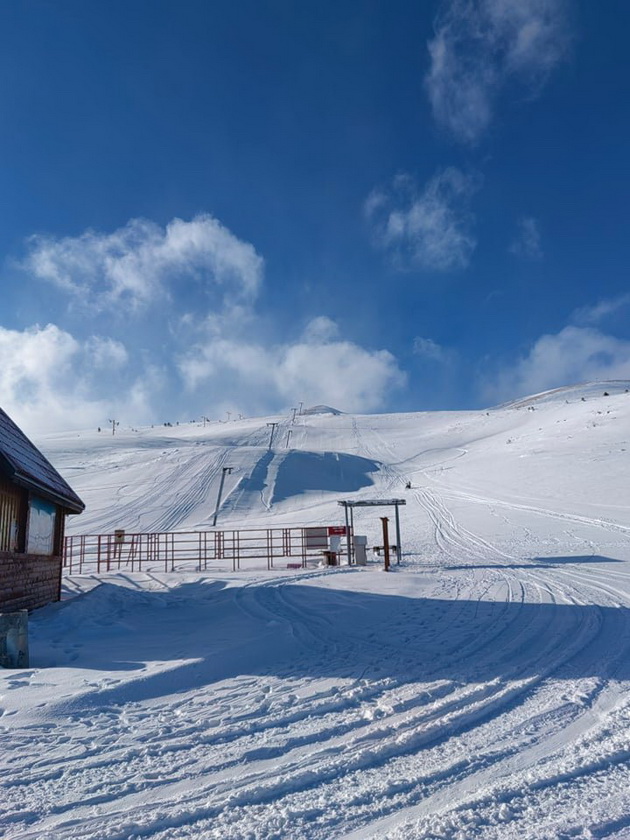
[[10, 501], [41, 527]]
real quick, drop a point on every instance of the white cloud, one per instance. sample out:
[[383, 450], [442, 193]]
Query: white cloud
[[193, 354], [320, 330], [106, 353], [318, 368], [338, 373], [50, 381], [429, 229], [138, 263], [527, 242], [479, 46], [35, 355], [575, 354]]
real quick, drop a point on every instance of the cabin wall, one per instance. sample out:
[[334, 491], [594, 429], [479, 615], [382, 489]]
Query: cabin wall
[[28, 581], [34, 501]]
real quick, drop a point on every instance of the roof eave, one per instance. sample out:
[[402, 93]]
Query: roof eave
[[73, 505]]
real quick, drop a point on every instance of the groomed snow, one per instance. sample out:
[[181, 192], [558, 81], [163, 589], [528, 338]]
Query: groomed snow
[[479, 690]]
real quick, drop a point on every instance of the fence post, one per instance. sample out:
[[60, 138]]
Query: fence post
[[131, 555]]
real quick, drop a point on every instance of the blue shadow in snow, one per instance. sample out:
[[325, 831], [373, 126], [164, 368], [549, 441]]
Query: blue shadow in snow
[[538, 562], [257, 481], [336, 472], [212, 632]]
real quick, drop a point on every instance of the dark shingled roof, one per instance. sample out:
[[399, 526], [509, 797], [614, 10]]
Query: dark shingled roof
[[25, 465]]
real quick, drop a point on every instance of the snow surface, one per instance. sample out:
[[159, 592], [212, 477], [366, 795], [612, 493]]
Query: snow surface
[[479, 690]]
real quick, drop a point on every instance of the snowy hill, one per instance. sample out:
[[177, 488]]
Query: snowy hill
[[558, 454], [480, 690]]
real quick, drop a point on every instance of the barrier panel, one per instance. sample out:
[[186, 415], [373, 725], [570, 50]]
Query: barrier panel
[[229, 550]]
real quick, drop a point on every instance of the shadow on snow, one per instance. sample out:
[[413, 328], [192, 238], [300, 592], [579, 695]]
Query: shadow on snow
[[336, 472], [537, 563], [204, 632]]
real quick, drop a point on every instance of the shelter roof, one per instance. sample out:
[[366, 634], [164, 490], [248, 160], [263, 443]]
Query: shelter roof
[[24, 464], [372, 502]]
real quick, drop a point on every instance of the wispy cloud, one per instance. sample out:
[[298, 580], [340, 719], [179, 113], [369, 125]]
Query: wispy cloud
[[575, 354], [480, 46], [604, 310], [527, 242], [431, 351], [137, 264], [429, 229]]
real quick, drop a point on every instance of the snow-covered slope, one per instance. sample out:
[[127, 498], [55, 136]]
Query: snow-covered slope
[[556, 455], [481, 689]]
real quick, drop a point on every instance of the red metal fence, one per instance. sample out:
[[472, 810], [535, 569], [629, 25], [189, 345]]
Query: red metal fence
[[196, 550]]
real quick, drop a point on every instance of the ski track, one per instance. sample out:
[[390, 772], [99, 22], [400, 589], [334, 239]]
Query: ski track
[[467, 712], [344, 736]]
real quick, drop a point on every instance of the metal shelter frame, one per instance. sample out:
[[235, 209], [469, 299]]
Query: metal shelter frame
[[349, 506]]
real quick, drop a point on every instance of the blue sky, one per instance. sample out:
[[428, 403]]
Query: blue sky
[[240, 206]]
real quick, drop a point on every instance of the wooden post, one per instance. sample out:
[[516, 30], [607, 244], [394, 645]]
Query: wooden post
[[385, 520], [348, 536], [398, 548]]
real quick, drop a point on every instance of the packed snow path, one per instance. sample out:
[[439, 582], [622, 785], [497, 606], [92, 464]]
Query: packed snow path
[[480, 690], [435, 702]]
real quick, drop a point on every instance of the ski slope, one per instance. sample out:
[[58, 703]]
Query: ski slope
[[479, 690]]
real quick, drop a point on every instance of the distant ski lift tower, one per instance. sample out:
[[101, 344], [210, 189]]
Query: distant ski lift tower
[[114, 424], [225, 470]]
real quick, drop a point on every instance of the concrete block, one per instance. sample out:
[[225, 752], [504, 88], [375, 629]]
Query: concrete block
[[14, 639]]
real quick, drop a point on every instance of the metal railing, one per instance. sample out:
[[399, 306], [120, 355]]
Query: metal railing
[[195, 550]]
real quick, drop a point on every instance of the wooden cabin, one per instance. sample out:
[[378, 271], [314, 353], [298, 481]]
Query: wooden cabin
[[34, 503]]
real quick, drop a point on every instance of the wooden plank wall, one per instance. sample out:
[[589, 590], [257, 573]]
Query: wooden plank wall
[[10, 500]]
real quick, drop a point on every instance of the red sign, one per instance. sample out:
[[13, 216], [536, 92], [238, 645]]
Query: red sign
[[336, 530]]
